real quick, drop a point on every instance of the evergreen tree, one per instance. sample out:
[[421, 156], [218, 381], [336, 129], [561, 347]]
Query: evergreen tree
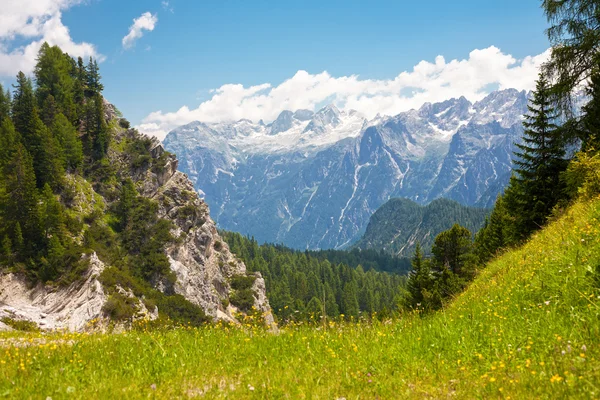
[[537, 187], [575, 42], [48, 158], [79, 87], [24, 110], [497, 232], [20, 208], [69, 141], [52, 214], [4, 103], [97, 136], [94, 86], [420, 280], [9, 139], [54, 78], [350, 306], [591, 115], [49, 110], [453, 249]]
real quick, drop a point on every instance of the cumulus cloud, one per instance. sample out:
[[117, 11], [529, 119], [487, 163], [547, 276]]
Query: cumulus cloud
[[31, 23], [146, 22], [427, 82]]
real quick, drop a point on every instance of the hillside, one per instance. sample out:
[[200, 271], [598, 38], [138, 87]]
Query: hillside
[[526, 327], [97, 225], [399, 224], [312, 180]]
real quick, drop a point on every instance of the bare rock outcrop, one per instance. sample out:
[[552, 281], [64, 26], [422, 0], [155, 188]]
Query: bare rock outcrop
[[200, 259], [71, 307]]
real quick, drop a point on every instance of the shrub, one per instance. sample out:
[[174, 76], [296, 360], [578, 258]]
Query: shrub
[[242, 282], [582, 177], [119, 307], [218, 245], [242, 299], [123, 123], [20, 325]]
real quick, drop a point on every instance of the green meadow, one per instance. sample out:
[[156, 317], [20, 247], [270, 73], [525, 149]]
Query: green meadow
[[527, 327]]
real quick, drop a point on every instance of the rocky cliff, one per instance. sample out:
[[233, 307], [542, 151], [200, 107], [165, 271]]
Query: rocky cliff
[[200, 261]]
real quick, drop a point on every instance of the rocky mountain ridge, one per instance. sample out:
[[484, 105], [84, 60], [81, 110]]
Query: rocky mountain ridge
[[313, 180]]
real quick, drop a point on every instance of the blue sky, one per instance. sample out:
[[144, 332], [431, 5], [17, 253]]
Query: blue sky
[[196, 46]]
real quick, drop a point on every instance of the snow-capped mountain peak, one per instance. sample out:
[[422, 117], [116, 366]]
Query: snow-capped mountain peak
[[313, 179]]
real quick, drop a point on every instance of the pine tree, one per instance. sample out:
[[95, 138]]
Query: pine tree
[[350, 306], [54, 78], [97, 137], [539, 165], [453, 249], [420, 281], [52, 214], [9, 139], [48, 158], [69, 141], [591, 115], [21, 207], [4, 103], [93, 79], [24, 110]]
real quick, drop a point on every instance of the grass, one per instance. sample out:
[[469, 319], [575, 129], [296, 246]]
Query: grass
[[528, 327]]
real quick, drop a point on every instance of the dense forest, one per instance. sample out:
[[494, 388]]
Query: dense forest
[[398, 225], [61, 198], [300, 285]]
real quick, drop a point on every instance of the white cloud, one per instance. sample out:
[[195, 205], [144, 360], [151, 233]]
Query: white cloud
[[427, 82], [35, 22], [146, 22]]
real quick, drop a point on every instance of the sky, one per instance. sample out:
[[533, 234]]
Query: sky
[[166, 63]]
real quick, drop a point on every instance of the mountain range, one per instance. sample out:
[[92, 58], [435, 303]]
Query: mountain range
[[312, 180]]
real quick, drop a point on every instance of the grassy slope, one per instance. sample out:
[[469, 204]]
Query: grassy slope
[[527, 327]]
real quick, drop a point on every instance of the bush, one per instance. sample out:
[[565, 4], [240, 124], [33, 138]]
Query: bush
[[123, 123], [582, 177], [218, 245], [119, 307], [243, 299], [20, 325], [242, 282]]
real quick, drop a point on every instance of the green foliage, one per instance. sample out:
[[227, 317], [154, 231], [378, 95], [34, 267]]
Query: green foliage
[[527, 327], [536, 186], [433, 282], [420, 281], [20, 325], [67, 137], [396, 224], [582, 177], [575, 40], [294, 279], [4, 103], [120, 307], [54, 80], [173, 307]]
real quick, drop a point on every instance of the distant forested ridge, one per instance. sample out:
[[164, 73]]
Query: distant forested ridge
[[398, 225]]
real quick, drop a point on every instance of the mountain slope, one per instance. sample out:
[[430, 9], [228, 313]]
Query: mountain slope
[[399, 224], [527, 327], [312, 180], [200, 265]]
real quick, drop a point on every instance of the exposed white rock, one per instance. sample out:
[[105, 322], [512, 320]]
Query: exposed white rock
[[70, 308]]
